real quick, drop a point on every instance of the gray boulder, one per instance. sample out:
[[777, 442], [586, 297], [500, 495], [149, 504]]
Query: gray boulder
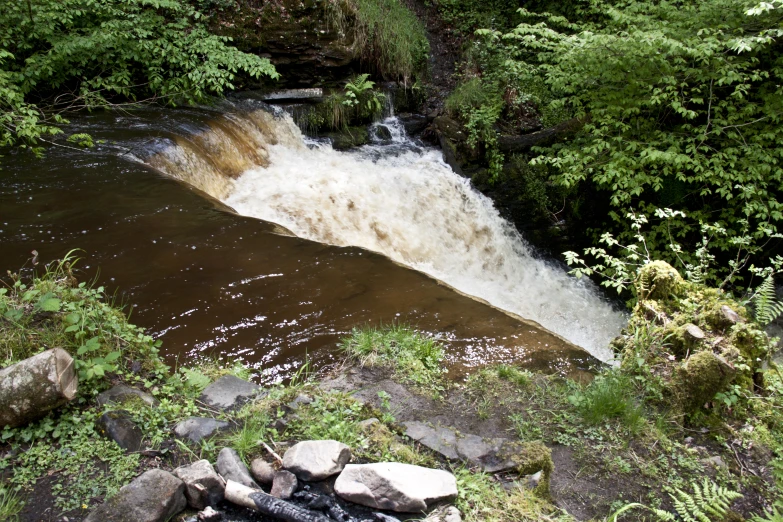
[[197, 428], [284, 485], [119, 427], [155, 496], [121, 393], [262, 471], [313, 460], [489, 454], [395, 486], [229, 392], [203, 486], [231, 467]]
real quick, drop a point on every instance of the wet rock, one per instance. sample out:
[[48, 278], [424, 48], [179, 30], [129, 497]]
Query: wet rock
[[312, 94], [119, 427], [231, 467], [383, 133], [413, 123], [197, 428], [284, 485], [395, 486], [121, 393], [155, 496], [313, 460], [203, 486], [262, 471], [229, 392], [349, 138], [209, 515]]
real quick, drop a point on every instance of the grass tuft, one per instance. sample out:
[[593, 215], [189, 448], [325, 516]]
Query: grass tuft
[[610, 396], [10, 505]]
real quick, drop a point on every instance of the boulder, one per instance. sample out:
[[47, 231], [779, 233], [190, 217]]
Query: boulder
[[121, 393], [155, 496], [231, 467], [203, 486], [119, 427], [197, 428], [262, 471], [229, 392], [413, 123], [313, 460], [284, 485], [395, 486]]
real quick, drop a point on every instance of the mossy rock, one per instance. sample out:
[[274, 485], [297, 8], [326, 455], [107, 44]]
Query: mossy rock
[[659, 281], [349, 137], [530, 458], [699, 378]]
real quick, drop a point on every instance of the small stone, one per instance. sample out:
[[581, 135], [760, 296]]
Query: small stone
[[367, 423], [395, 486], [121, 393], [444, 514], [155, 496], [198, 428], [231, 467], [280, 425], [119, 427], [313, 460], [262, 471], [209, 515], [693, 332], [715, 462], [380, 517], [203, 486], [730, 315], [300, 400], [284, 485], [229, 392], [688, 440]]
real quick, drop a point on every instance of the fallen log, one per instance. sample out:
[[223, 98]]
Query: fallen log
[[274, 507], [31, 388]]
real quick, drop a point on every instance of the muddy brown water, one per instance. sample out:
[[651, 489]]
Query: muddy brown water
[[209, 282]]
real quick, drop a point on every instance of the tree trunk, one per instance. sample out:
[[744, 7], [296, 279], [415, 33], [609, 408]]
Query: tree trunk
[[31, 388], [274, 507]]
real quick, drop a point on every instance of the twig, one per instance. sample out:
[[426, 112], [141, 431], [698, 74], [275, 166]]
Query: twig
[[271, 452]]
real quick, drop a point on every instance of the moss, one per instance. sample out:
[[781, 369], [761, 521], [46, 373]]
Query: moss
[[658, 280], [699, 378], [530, 458]]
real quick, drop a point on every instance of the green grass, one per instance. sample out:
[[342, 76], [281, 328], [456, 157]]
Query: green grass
[[415, 358], [10, 505], [610, 396], [392, 39]]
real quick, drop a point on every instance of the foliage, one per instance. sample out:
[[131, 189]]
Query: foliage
[[53, 310], [415, 358], [359, 91], [764, 301], [708, 502], [58, 55], [609, 396], [681, 105], [10, 505], [392, 40]]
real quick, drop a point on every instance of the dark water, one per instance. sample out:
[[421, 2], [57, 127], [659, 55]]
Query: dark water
[[212, 283]]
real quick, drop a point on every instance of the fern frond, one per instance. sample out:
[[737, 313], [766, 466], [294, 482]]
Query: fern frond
[[708, 502], [766, 307]]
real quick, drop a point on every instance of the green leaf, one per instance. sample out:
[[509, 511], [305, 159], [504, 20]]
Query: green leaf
[[51, 304]]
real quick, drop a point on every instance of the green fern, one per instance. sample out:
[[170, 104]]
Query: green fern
[[764, 301], [708, 503]]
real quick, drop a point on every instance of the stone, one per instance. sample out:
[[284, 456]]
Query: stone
[[280, 425], [365, 424], [312, 94], [383, 133], [693, 333], [203, 486], [198, 428], [231, 467], [313, 460], [300, 400], [395, 486], [441, 440], [121, 393], [262, 471], [229, 392], [700, 377], [119, 427], [381, 517], [284, 485], [413, 123], [209, 515], [155, 496], [730, 315], [444, 514]]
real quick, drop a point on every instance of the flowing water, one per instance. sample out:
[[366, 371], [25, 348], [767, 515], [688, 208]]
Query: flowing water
[[211, 281]]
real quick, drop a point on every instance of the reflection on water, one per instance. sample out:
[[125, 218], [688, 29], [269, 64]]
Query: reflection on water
[[213, 283]]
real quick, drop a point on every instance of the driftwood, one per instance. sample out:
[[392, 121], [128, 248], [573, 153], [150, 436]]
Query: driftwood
[[324, 504], [541, 138], [265, 504], [31, 388]]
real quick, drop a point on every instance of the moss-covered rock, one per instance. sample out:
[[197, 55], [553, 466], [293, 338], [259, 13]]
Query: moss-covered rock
[[699, 378], [349, 137], [659, 281], [530, 458]]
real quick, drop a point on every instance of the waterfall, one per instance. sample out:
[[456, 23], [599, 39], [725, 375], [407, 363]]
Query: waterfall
[[393, 197]]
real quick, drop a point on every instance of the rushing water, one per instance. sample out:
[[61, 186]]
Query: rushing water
[[210, 281]]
